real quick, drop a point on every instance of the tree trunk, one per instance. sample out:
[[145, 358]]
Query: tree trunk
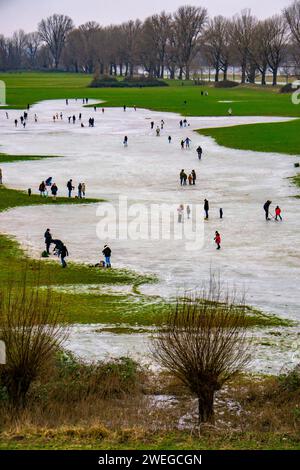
[[187, 72], [225, 71], [172, 73], [275, 71], [206, 406], [243, 80], [217, 74], [180, 73], [263, 77], [121, 69]]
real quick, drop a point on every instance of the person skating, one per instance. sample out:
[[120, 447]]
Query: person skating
[[169, 139], [221, 213], [278, 213], [181, 124], [152, 124], [206, 208], [199, 152], [218, 240], [267, 208], [125, 141], [48, 240], [194, 177], [181, 176], [63, 252], [70, 188], [107, 255]]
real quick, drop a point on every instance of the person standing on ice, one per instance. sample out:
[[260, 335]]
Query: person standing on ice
[[48, 240], [181, 176], [83, 190], [218, 240], [206, 208], [169, 139], [157, 131], [267, 208], [152, 124], [187, 142], [278, 213], [125, 141], [107, 255], [180, 212], [194, 176], [188, 211]]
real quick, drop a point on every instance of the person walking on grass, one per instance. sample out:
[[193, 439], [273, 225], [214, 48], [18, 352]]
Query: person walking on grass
[[70, 187], [267, 208], [107, 255], [278, 213], [48, 240], [206, 208], [63, 252], [218, 240], [54, 190], [42, 189], [80, 191]]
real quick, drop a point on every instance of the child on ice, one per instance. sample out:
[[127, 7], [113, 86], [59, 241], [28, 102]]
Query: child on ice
[[218, 240]]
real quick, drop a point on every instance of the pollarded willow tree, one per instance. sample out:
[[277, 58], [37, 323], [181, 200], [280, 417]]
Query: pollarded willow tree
[[204, 344], [53, 31]]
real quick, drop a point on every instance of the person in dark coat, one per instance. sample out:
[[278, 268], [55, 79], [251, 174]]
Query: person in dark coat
[[199, 152], [206, 208], [267, 208], [48, 240], [194, 176], [181, 176], [70, 188], [107, 254], [63, 253]]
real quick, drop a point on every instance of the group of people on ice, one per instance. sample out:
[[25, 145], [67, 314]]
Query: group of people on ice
[[61, 250], [184, 178]]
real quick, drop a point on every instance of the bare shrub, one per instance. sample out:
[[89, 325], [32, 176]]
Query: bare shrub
[[31, 327], [203, 343]]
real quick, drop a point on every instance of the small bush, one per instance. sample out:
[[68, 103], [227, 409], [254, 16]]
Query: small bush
[[289, 88], [226, 84], [290, 381], [129, 82]]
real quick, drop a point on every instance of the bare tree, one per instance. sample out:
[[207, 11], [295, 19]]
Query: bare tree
[[292, 16], [189, 23], [53, 31], [276, 41], [204, 344], [217, 40], [243, 33], [31, 328], [33, 42]]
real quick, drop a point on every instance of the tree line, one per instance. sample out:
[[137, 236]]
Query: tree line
[[177, 45]]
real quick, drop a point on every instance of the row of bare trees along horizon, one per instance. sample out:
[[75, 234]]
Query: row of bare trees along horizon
[[176, 45]]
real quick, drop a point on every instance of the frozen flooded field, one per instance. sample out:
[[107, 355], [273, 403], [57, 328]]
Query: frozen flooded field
[[261, 258]]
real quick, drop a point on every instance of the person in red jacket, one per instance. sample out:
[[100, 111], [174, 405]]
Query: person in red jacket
[[218, 240], [278, 213]]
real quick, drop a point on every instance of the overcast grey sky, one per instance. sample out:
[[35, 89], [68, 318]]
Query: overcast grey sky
[[25, 14]]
